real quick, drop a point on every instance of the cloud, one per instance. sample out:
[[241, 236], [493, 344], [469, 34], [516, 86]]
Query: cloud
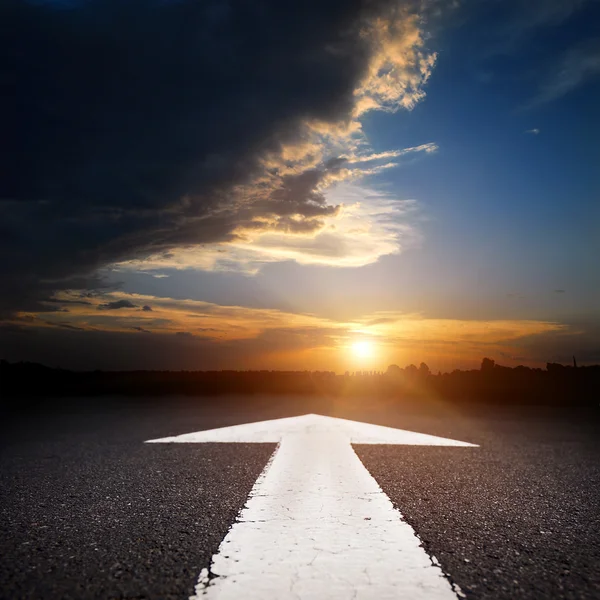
[[428, 148], [398, 68], [366, 224], [532, 14], [158, 126], [220, 336], [577, 66], [64, 325], [559, 291], [514, 23], [146, 308], [117, 304], [243, 337], [534, 131], [542, 42], [579, 338], [63, 302]]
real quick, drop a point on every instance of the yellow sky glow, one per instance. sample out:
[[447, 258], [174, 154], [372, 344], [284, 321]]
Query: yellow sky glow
[[298, 341]]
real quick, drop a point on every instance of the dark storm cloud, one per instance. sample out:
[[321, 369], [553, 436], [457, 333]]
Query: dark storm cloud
[[130, 123], [146, 308], [117, 304]]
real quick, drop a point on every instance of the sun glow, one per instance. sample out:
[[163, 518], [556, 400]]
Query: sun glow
[[362, 349]]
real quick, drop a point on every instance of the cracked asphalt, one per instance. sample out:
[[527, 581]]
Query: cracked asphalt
[[89, 511]]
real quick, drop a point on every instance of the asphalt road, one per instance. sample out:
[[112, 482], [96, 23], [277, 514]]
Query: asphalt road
[[89, 511]]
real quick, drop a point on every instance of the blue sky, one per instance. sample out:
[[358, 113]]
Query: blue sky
[[489, 214]]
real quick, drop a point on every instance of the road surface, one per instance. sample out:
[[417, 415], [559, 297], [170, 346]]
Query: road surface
[[87, 510]]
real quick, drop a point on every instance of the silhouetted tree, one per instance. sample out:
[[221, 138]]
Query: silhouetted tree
[[487, 365], [424, 370], [558, 385], [411, 370]]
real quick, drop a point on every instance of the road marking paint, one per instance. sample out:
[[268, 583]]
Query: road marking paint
[[317, 525], [274, 430]]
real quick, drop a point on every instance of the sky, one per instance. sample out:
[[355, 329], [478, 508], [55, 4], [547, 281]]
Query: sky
[[324, 185]]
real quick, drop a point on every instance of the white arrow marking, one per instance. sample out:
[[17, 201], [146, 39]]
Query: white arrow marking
[[316, 524]]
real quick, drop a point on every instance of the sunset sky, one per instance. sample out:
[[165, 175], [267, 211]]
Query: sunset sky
[[334, 185]]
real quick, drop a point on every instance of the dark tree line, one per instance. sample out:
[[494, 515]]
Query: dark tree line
[[556, 385]]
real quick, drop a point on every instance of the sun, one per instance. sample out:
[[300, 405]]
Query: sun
[[362, 349]]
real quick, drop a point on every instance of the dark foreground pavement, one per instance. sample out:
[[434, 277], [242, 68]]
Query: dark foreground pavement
[[89, 511]]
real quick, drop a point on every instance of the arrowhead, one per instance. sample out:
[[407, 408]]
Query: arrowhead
[[274, 430]]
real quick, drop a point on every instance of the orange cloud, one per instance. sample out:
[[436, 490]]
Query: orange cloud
[[289, 340]]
